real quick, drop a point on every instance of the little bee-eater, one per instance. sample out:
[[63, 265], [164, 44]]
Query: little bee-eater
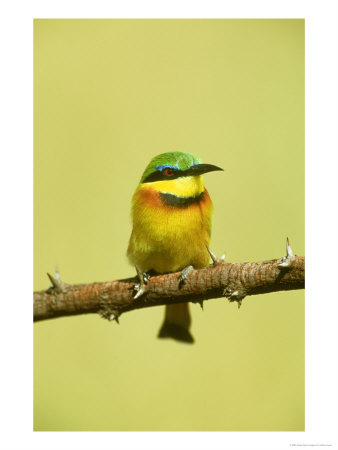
[[172, 214]]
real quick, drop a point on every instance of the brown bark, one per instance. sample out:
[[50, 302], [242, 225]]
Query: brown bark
[[231, 280]]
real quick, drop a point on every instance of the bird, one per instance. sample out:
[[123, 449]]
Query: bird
[[171, 226]]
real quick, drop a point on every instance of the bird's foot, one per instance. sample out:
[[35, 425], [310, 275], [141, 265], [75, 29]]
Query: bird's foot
[[215, 260], [183, 275], [141, 287]]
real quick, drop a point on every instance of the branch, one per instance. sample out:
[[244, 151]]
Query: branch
[[231, 280]]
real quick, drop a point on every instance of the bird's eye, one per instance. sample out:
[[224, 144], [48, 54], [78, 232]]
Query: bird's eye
[[169, 172]]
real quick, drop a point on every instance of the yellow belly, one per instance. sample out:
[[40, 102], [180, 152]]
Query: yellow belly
[[167, 239]]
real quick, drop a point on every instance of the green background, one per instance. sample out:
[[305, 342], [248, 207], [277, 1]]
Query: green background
[[108, 96]]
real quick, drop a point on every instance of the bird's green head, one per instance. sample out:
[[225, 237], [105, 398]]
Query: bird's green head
[[171, 165]]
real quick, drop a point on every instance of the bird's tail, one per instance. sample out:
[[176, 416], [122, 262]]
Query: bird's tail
[[177, 323]]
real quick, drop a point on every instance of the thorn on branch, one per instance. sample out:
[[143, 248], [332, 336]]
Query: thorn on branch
[[234, 295], [109, 314], [114, 317], [286, 262], [57, 285], [215, 260]]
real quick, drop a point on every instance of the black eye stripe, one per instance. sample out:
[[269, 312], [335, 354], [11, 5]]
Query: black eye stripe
[[162, 175], [194, 170]]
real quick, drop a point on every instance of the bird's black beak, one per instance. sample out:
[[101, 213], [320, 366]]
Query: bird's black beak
[[199, 169]]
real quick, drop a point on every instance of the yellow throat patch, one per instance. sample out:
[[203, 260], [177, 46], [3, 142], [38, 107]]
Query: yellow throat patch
[[182, 187]]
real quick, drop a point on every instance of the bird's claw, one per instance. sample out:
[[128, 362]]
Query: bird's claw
[[141, 287], [146, 277], [184, 274]]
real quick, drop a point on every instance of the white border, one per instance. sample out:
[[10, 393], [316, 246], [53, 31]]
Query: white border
[[321, 223]]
